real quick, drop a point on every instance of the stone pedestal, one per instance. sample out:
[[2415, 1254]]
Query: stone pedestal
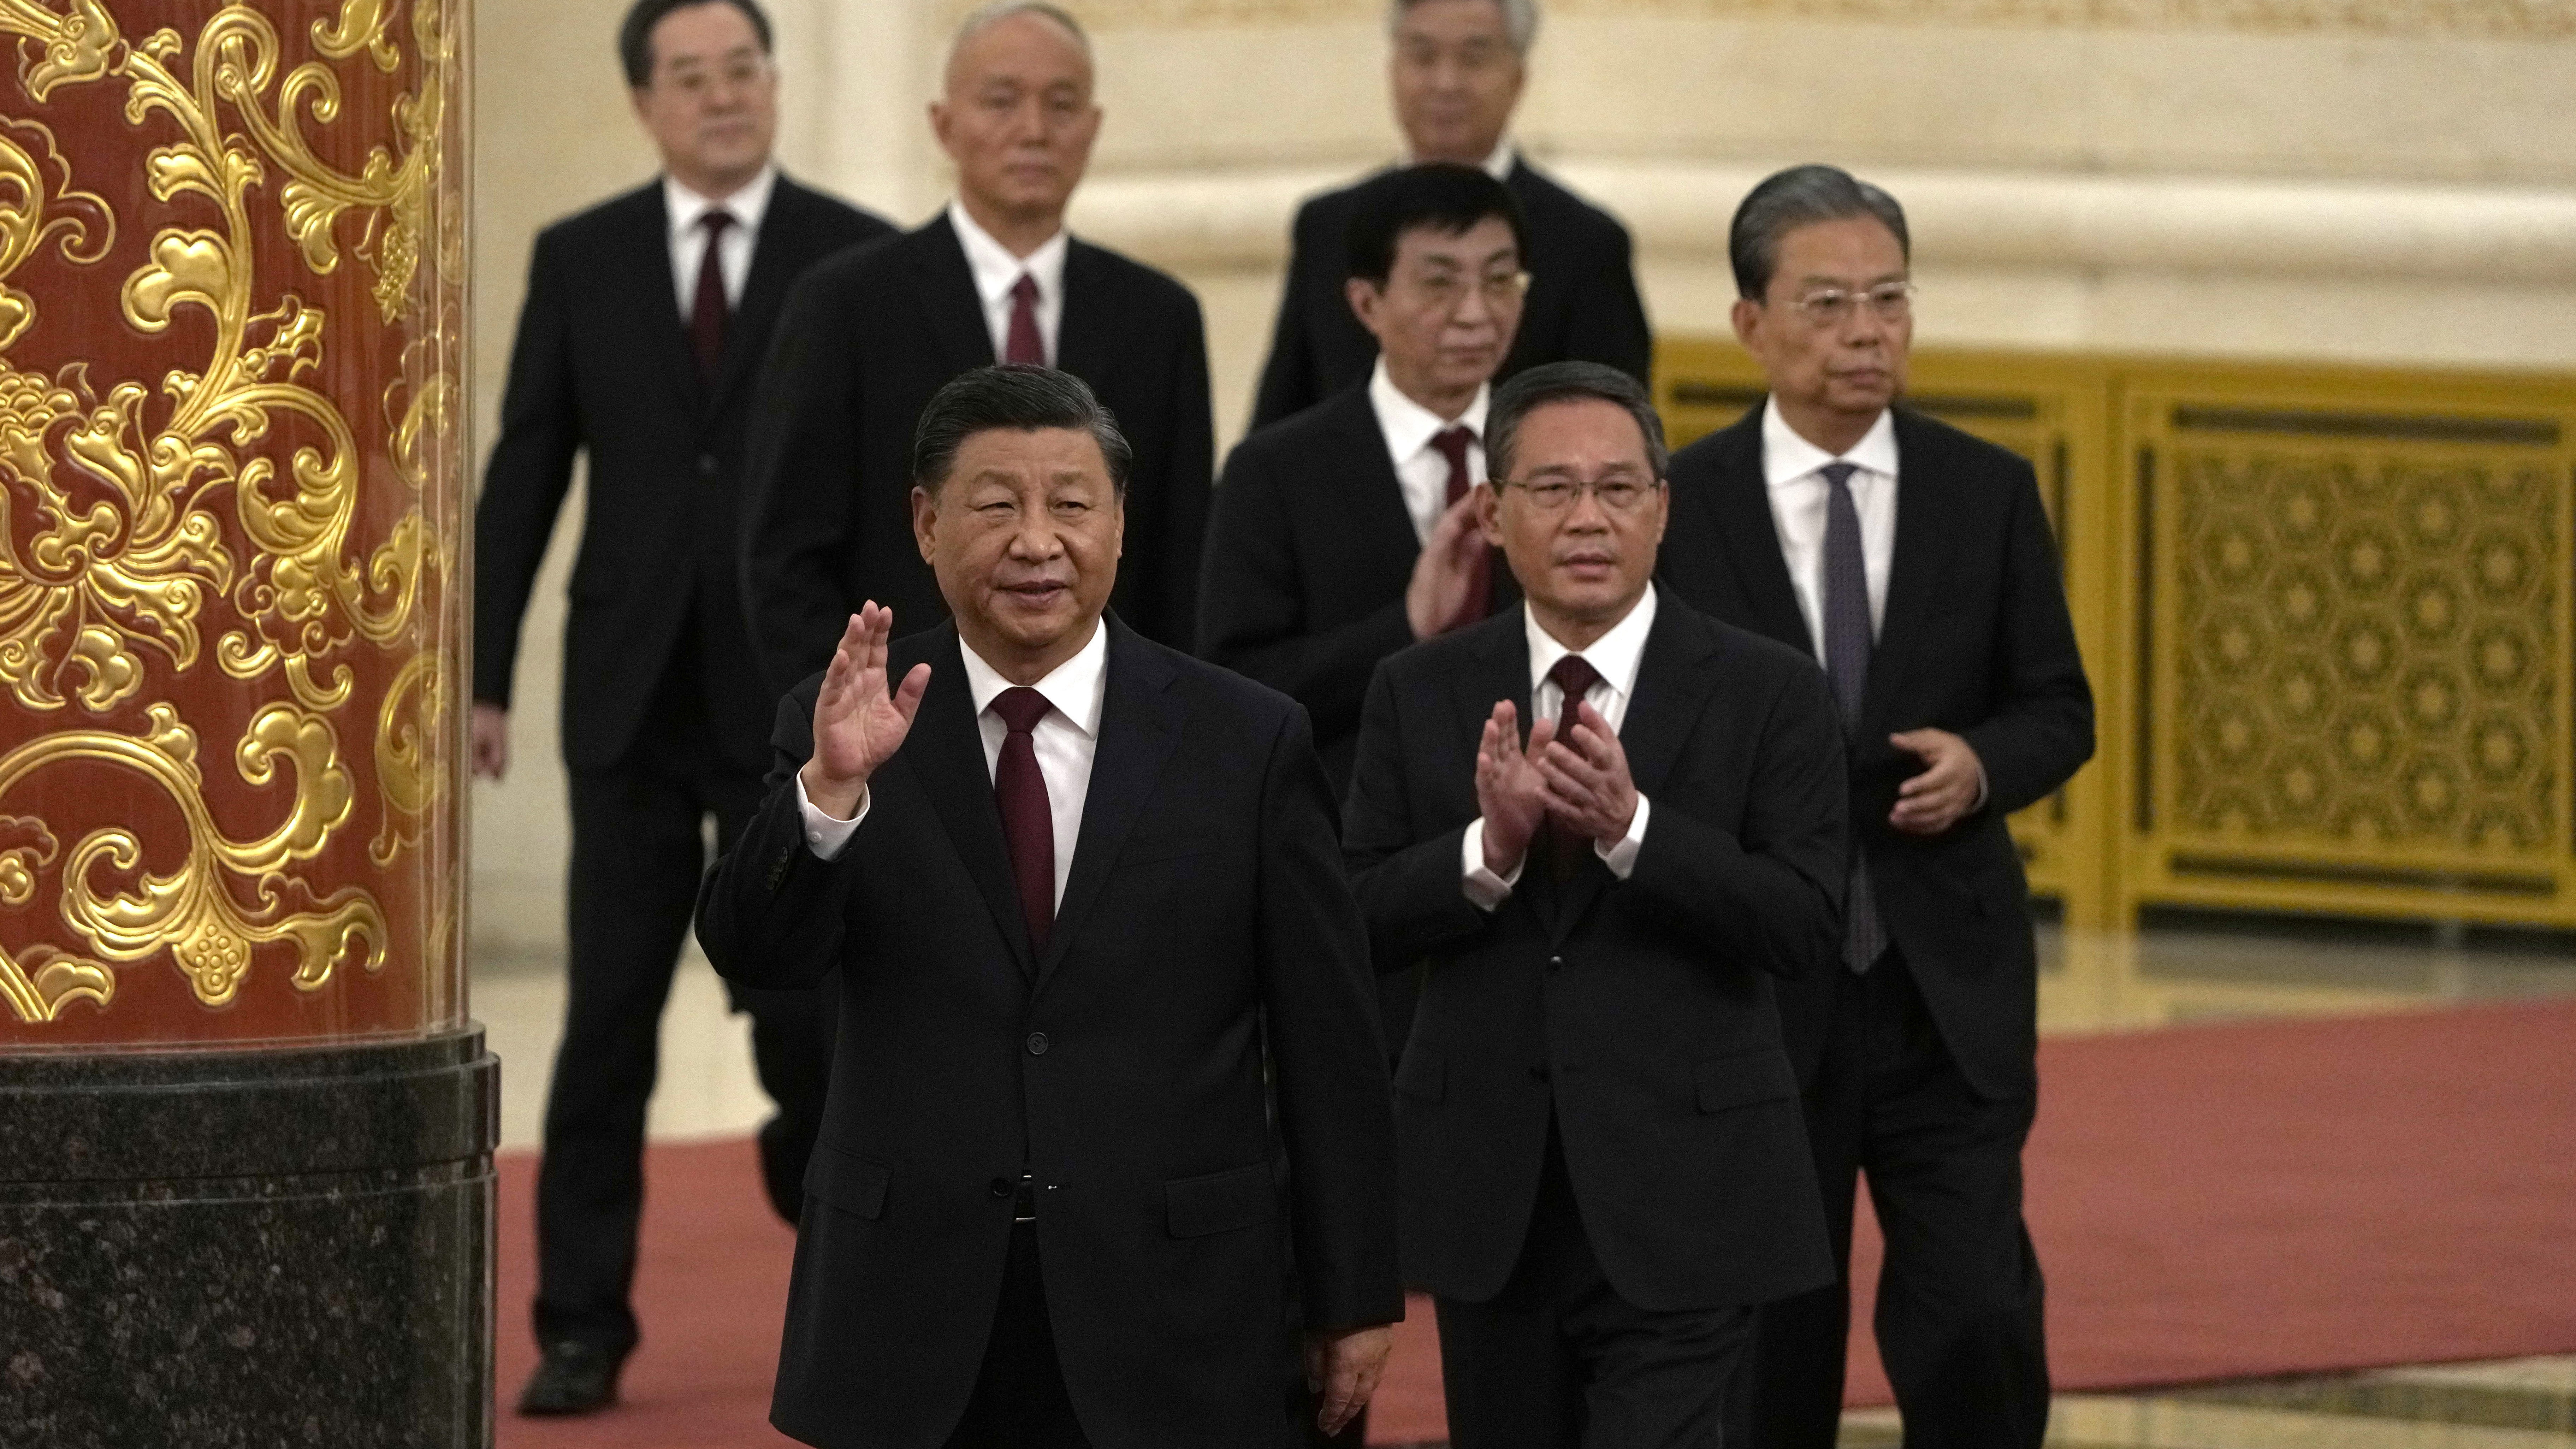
[[271, 1248]]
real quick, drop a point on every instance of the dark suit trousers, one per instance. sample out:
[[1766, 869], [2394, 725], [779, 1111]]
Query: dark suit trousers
[[1959, 1296], [638, 850], [1558, 1359], [1020, 1400]]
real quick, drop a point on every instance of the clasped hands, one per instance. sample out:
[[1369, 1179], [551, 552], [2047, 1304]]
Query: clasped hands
[[1581, 782], [858, 722]]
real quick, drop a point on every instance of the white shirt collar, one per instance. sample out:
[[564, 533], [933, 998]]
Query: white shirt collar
[[1408, 425], [1787, 457], [747, 205], [996, 271], [1076, 687], [1498, 166], [1615, 655]]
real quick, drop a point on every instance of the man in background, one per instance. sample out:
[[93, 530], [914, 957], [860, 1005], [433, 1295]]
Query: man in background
[[872, 335], [645, 320], [1916, 562], [1457, 70]]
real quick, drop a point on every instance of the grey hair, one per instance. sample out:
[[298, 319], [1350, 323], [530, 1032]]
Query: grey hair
[[1801, 196], [1520, 20], [1557, 382], [994, 12]]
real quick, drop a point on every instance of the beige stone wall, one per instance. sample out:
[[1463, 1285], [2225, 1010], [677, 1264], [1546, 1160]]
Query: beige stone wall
[[2391, 181]]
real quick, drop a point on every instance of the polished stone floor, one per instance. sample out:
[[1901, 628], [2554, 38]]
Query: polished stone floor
[[2180, 969]]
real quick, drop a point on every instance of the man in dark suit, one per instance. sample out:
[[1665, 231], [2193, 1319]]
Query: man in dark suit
[[1077, 886], [644, 322], [1602, 1163], [871, 335], [1917, 562], [1456, 73]]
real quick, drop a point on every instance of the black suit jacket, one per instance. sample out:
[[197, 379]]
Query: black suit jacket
[[1206, 916], [867, 338], [1582, 304], [1308, 556], [1974, 638], [603, 364], [1642, 1008]]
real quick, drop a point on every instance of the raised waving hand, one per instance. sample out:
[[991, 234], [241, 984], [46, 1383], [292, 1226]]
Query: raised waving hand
[[859, 722]]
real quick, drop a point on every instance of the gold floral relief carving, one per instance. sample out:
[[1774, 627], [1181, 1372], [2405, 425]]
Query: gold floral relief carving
[[2506, 19], [130, 507]]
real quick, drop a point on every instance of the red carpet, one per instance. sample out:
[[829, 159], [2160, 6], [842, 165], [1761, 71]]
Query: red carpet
[[2210, 1202]]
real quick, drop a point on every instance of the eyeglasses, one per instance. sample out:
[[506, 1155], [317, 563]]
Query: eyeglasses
[[1833, 306], [1617, 493], [1445, 290]]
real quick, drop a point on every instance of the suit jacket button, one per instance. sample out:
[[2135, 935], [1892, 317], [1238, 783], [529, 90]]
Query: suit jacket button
[[999, 1187], [1555, 963], [706, 465], [1037, 1044], [1538, 1074]]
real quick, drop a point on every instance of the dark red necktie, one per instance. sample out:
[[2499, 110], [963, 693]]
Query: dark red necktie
[[709, 312], [1574, 677], [1028, 826], [1452, 443], [1024, 344]]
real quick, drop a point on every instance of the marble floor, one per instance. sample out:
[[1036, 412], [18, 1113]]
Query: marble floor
[[2178, 970]]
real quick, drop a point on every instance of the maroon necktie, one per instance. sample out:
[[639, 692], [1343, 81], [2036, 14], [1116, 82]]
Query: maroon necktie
[[1028, 826], [707, 315], [1574, 677], [1452, 443], [1024, 344]]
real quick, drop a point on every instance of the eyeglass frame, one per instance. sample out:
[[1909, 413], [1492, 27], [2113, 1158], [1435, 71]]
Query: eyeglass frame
[[1578, 488], [1497, 288], [1890, 301]]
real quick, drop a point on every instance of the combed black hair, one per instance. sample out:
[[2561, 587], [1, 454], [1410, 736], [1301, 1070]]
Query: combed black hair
[[1801, 196], [1018, 397], [1442, 195], [1556, 382], [635, 36]]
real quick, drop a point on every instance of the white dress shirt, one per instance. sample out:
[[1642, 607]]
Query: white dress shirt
[[996, 271], [1792, 469], [689, 243], [1615, 657], [1421, 469], [1065, 739]]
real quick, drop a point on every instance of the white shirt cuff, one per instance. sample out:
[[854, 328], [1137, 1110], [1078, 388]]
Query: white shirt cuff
[[824, 835], [1485, 890], [1621, 855]]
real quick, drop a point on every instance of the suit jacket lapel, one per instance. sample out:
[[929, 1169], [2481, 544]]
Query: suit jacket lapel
[[1914, 575], [1674, 678], [946, 751], [1741, 500], [1086, 334], [778, 255], [948, 295], [1140, 722], [657, 306], [1370, 498]]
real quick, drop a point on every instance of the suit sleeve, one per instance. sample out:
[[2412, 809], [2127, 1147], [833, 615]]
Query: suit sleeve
[[1335, 1113], [801, 486], [1606, 318], [2042, 729], [1771, 893], [1406, 875], [1186, 474], [530, 470], [771, 914], [1288, 377], [1252, 604]]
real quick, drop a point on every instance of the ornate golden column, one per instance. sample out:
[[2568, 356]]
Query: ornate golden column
[[232, 594]]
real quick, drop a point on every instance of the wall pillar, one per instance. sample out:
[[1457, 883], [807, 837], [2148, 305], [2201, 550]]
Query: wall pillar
[[245, 1126]]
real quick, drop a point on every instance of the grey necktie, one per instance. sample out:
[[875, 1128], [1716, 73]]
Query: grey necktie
[[1847, 649]]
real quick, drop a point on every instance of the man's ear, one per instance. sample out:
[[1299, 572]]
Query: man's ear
[[1365, 297], [925, 521], [1746, 314], [1489, 513]]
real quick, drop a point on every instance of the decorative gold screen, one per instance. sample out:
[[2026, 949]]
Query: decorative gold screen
[[2326, 613]]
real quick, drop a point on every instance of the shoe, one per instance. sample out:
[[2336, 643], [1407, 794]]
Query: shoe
[[573, 1378]]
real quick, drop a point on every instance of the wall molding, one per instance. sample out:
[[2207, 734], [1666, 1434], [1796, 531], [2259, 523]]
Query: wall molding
[[2057, 220]]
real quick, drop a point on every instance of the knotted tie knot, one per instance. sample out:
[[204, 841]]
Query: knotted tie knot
[[1019, 708]]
